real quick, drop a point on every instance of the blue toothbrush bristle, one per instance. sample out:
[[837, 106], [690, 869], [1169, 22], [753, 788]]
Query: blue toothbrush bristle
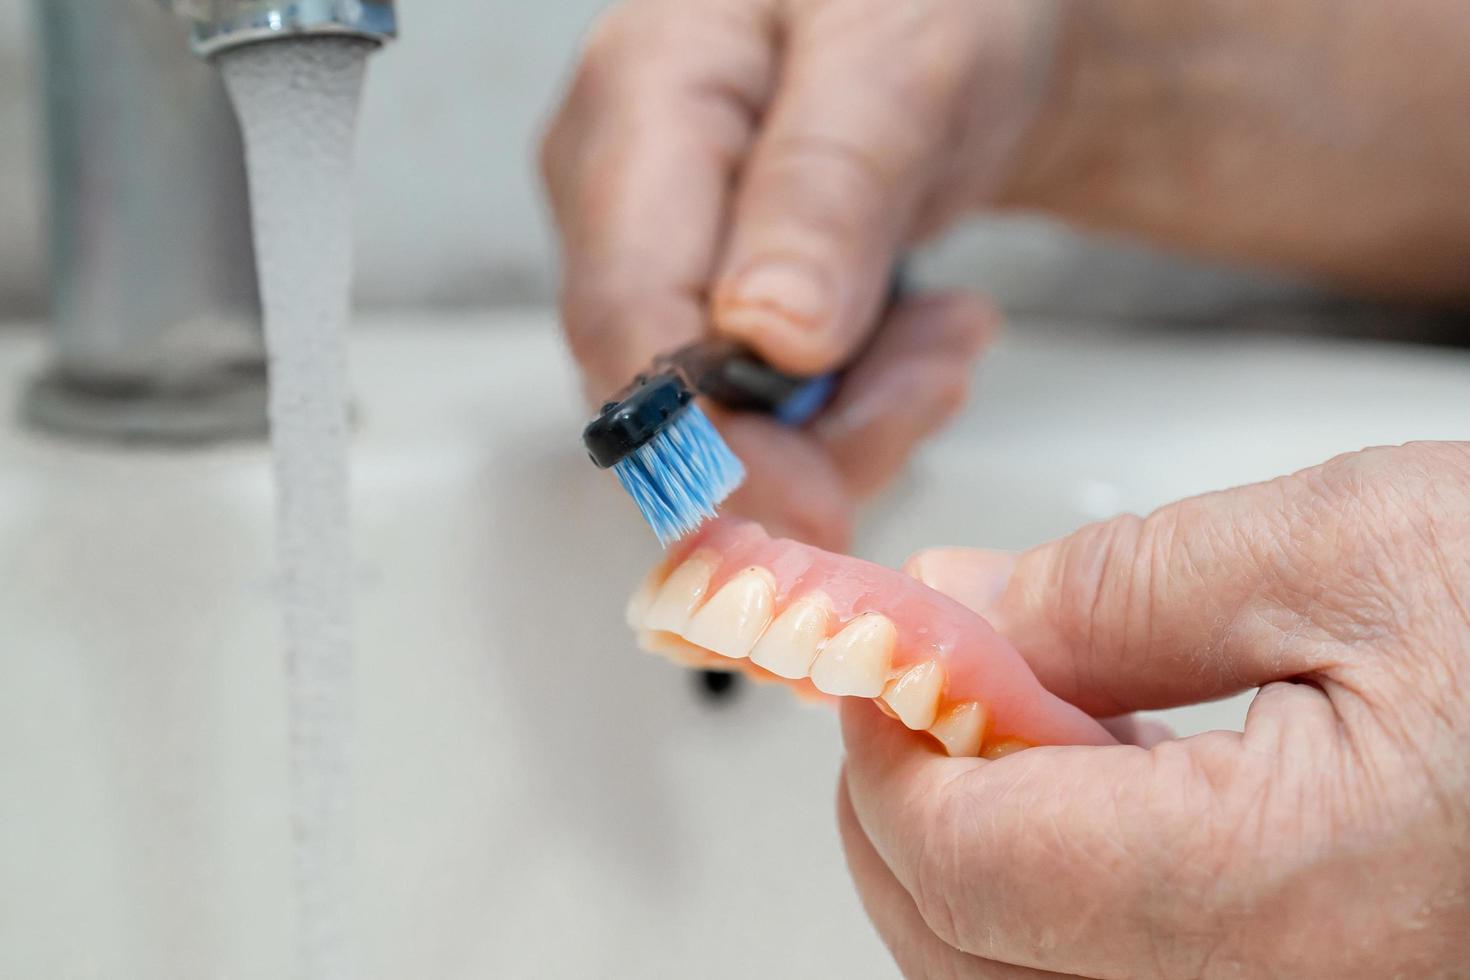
[[679, 477]]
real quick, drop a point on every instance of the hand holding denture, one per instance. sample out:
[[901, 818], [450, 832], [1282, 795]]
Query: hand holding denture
[[1331, 838]]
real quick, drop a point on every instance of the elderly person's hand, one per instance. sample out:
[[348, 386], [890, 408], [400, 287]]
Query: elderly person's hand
[[756, 165], [1330, 839]]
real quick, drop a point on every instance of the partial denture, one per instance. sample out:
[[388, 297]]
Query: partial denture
[[735, 598]]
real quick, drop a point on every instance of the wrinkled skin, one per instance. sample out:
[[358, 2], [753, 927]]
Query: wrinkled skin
[[698, 145], [1330, 839], [754, 167], [703, 141]]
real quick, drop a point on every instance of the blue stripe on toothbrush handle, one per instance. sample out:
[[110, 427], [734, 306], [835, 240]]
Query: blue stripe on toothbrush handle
[[733, 375], [804, 403]]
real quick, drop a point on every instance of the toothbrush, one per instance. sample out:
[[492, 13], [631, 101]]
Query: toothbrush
[[663, 448]]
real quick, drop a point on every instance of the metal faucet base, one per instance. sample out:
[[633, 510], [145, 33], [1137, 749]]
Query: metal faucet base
[[232, 407]]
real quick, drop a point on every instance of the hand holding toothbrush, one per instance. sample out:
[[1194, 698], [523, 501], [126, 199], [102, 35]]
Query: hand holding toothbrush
[[756, 165], [678, 211]]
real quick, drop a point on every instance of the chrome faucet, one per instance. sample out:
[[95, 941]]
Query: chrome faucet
[[154, 312], [221, 24]]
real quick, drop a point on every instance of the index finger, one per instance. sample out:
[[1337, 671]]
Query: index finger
[[1066, 858], [637, 166]]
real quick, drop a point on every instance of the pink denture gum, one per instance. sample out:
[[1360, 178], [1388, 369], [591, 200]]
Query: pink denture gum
[[731, 597]]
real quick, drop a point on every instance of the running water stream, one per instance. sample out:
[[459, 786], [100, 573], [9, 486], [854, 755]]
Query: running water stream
[[297, 102]]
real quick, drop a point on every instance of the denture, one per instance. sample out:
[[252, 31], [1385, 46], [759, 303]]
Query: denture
[[731, 597]]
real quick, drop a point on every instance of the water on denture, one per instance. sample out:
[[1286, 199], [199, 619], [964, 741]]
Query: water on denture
[[297, 102]]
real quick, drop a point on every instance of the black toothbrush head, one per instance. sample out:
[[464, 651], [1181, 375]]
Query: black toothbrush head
[[638, 414], [665, 452]]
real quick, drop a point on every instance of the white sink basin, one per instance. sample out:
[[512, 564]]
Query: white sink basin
[[534, 797]]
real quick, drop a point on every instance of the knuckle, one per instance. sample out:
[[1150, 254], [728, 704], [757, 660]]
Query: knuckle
[[1372, 538], [1400, 553], [1391, 482], [830, 158], [830, 185]]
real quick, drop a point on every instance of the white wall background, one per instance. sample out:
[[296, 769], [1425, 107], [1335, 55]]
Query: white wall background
[[449, 213]]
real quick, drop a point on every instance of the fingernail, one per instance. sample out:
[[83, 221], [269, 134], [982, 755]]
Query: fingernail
[[789, 290]]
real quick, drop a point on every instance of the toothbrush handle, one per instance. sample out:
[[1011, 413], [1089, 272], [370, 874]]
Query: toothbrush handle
[[734, 376]]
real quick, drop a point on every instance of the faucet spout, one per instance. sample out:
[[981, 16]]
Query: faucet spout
[[222, 24]]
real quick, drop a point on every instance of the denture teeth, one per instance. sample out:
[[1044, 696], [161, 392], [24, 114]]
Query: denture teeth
[[790, 644], [961, 729], [680, 595], [676, 648], [914, 697], [855, 661], [641, 601], [731, 621], [1004, 747]]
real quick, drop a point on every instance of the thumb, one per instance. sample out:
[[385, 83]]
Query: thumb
[[828, 194], [1201, 599]]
